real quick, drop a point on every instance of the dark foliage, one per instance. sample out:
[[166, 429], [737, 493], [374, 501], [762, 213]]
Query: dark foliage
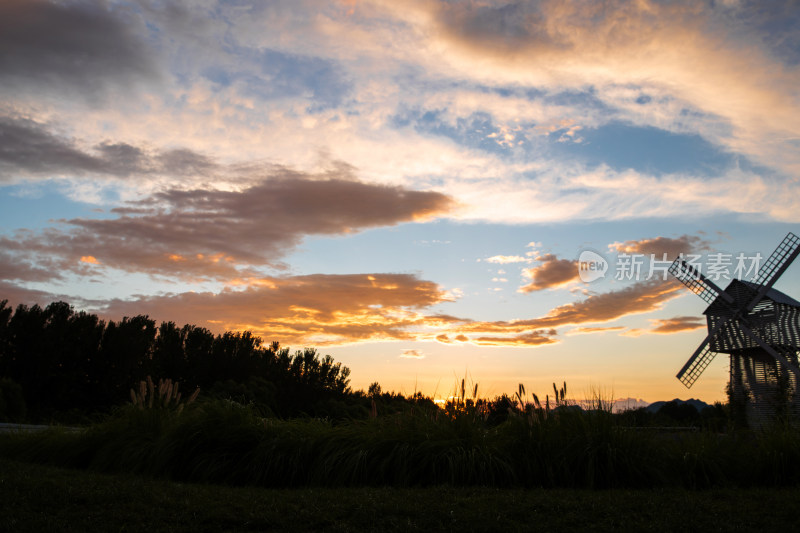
[[73, 362], [12, 402], [224, 442]]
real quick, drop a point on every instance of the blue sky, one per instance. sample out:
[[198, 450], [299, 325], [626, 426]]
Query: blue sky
[[405, 185]]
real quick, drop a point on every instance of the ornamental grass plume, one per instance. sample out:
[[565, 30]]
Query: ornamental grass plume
[[166, 395]]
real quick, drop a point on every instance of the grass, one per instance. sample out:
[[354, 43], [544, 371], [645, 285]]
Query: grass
[[45, 498], [223, 442]]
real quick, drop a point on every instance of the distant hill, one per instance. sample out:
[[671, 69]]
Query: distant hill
[[617, 406], [626, 404], [697, 404]]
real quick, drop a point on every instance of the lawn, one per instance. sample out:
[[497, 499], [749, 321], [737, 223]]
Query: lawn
[[44, 498]]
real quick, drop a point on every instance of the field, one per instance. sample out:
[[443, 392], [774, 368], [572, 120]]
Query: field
[[217, 465], [44, 498]]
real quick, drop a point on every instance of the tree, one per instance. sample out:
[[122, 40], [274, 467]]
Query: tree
[[374, 389]]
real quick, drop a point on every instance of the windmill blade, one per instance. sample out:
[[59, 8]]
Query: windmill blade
[[701, 358], [774, 351], [696, 364], [697, 282], [786, 252]]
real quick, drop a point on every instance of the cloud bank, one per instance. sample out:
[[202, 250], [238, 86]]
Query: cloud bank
[[224, 234]]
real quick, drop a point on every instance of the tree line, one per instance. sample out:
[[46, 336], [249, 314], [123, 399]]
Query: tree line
[[72, 361], [58, 364]]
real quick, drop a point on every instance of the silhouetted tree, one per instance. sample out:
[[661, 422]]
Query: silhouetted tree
[[63, 360], [125, 348]]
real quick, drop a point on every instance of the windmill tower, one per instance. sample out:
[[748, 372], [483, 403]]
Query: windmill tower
[[759, 328]]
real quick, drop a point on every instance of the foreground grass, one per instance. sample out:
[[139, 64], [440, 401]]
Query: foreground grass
[[45, 498], [226, 444]]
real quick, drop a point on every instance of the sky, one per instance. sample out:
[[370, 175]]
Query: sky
[[406, 185]]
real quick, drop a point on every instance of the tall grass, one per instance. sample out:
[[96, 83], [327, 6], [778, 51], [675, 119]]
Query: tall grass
[[549, 444]]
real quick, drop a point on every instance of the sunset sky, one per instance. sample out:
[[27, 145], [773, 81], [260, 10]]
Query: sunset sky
[[406, 185]]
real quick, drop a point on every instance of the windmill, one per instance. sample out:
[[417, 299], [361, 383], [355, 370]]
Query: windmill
[[759, 328]]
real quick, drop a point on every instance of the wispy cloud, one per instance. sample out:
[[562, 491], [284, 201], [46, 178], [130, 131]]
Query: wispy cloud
[[532, 338], [412, 354], [641, 297], [596, 329], [506, 259], [620, 44], [658, 246], [678, 323]]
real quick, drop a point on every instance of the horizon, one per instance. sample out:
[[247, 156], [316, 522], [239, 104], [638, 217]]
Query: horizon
[[424, 190]]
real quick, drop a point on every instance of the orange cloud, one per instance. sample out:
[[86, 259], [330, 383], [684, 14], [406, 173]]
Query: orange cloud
[[658, 246], [324, 309], [578, 331], [678, 323], [90, 259], [553, 272], [642, 297], [533, 338], [315, 309]]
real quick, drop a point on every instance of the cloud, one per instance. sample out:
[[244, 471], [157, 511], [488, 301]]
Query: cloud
[[13, 268], [505, 259], [32, 148], [315, 309], [412, 354], [214, 111], [632, 57], [445, 339], [81, 47], [685, 244], [499, 30], [27, 146], [341, 309], [16, 295], [678, 323], [223, 234], [583, 330], [641, 297], [532, 338], [621, 44], [552, 273]]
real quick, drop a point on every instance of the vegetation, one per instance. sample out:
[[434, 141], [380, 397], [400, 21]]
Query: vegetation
[[37, 498], [268, 418], [71, 365], [222, 441]]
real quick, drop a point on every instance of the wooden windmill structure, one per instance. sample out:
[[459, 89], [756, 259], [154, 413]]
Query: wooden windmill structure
[[759, 328]]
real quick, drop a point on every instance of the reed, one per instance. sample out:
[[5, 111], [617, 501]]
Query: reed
[[540, 444]]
